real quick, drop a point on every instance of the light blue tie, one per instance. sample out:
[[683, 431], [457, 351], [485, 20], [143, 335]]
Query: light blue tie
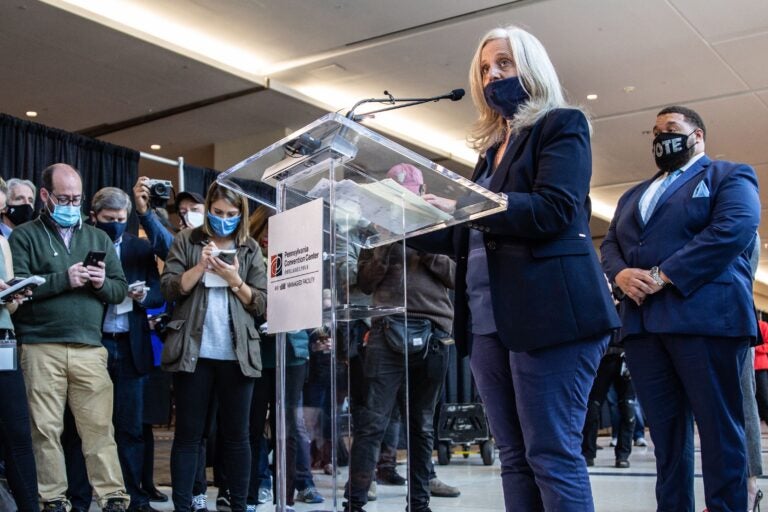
[[672, 176]]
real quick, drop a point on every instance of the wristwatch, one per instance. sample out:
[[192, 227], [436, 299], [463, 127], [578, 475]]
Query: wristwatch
[[237, 288], [657, 278]]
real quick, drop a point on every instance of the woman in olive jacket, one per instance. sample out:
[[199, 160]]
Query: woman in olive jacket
[[212, 344]]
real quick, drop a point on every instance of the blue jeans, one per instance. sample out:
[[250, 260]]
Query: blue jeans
[[536, 404]]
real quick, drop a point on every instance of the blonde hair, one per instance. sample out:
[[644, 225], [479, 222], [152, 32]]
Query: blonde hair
[[216, 192], [537, 76]]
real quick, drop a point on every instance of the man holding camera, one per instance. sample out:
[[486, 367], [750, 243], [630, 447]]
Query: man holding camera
[[60, 330], [190, 207]]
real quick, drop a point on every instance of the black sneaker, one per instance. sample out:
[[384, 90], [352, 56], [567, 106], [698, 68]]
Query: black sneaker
[[389, 477], [54, 506], [350, 507], [223, 501], [115, 505]]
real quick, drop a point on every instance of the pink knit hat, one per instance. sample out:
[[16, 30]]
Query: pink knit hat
[[408, 176]]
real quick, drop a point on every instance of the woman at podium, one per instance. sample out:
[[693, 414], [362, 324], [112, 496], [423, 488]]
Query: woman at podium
[[533, 308]]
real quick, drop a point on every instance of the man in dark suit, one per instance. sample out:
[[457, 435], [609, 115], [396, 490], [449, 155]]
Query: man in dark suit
[[678, 248], [126, 336]]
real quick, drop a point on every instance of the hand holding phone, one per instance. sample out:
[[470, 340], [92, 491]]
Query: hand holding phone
[[138, 290], [20, 288], [96, 273], [225, 255]]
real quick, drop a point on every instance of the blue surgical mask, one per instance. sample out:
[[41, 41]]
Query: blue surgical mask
[[221, 226], [66, 216], [114, 229], [505, 96]]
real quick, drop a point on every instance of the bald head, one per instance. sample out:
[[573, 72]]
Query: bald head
[[61, 181]]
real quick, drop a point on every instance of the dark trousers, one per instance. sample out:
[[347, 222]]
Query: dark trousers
[[679, 378], [536, 404], [16, 441], [127, 417], [193, 392], [264, 398], [609, 372], [385, 376]]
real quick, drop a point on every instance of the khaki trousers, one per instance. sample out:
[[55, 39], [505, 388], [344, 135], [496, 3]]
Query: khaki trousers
[[57, 373]]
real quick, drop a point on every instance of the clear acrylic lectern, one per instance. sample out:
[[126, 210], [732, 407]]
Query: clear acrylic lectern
[[373, 193]]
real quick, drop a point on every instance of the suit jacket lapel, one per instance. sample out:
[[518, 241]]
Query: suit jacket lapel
[[497, 180], [689, 174]]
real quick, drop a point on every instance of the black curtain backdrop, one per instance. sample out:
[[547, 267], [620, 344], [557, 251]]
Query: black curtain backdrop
[[198, 179], [26, 148]]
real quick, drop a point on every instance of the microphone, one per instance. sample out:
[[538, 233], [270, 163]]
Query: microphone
[[454, 95]]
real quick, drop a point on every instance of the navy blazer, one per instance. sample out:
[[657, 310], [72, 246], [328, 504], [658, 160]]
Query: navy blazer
[[547, 286], [139, 264], [700, 235]]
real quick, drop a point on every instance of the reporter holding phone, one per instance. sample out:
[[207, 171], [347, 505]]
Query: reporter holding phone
[[15, 437], [212, 345], [60, 331]]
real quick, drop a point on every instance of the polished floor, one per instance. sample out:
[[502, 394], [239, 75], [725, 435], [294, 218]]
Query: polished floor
[[625, 490]]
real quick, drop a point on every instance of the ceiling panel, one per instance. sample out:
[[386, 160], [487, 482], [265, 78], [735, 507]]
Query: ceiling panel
[[717, 21], [78, 73], [290, 29], [740, 55]]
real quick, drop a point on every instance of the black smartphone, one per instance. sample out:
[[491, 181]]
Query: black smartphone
[[93, 258], [227, 256]]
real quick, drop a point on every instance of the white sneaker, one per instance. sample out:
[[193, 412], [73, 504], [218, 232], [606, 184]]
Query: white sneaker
[[200, 503], [250, 508], [614, 441], [640, 441]]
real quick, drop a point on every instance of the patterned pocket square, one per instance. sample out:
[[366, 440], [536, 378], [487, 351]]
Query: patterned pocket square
[[701, 190]]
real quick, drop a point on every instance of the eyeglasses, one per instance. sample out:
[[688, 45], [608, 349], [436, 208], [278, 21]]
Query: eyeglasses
[[66, 200]]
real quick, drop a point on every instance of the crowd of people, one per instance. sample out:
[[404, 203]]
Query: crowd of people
[[669, 303]]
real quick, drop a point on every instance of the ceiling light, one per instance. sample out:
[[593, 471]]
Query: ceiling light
[[629, 88], [591, 97], [155, 147], [31, 113]]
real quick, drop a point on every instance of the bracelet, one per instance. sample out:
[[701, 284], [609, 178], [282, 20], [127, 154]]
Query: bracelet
[[237, 288]]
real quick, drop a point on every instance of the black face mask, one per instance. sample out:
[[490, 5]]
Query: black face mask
[[114, 229], [19, 213], [671, 150]]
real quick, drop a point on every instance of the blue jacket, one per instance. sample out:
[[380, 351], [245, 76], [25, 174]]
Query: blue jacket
[[700, 235], [547, 286]]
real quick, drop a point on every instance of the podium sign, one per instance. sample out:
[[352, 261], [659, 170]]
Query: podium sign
[[294, 270]]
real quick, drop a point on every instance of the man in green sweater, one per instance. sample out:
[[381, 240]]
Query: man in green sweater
[[60, 331]]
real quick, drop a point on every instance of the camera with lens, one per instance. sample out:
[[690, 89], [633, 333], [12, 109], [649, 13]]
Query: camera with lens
[[159, 189], [160, 324]]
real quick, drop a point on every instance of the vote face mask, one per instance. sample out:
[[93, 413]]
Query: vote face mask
[[221, 226], [505, 96], [20, 213], [65, 216], [671, 150], [114, 229]]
